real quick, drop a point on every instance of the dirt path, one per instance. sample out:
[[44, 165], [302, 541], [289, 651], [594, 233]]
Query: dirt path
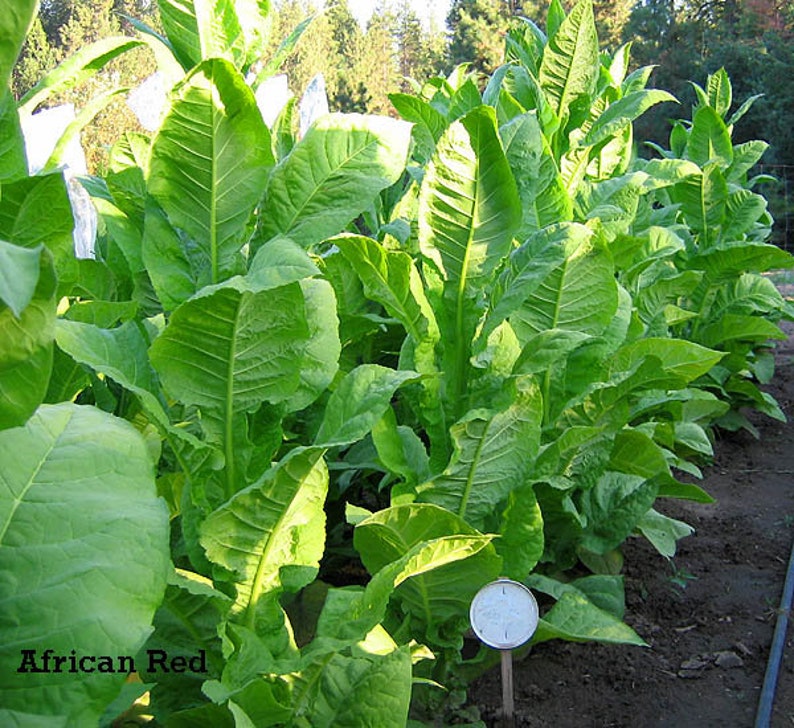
[[708, 620]]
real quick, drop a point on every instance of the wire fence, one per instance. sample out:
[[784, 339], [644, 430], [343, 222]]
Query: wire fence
[[780, 194]]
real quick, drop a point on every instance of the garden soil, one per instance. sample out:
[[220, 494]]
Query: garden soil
[[707, 616]]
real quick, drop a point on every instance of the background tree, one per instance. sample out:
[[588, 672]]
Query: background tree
[[477, 30]]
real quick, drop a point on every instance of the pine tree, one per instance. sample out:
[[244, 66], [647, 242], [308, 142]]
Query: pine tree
[[477, 30]]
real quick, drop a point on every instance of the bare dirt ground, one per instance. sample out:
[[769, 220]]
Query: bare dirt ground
[[708, 617]]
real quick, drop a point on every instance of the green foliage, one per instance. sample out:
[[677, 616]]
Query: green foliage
[[478, 344], [60, 513]]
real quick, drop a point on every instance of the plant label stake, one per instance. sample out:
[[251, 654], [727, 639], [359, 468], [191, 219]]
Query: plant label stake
[[504, 615]]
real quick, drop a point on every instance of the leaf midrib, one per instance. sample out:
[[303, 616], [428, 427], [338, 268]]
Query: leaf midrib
[[20, 499], [323, 179]]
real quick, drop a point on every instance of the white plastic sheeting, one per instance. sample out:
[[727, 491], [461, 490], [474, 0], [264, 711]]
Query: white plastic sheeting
[[314, 103], [148, 101], [272, 97], [42, 132]]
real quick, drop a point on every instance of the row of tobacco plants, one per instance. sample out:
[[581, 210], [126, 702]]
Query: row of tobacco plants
[[311, 394]]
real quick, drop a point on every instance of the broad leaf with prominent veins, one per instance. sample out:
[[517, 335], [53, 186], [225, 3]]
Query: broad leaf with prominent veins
[[271, 535], [230, 349], [332, 175], [210, 162], [83, 559]]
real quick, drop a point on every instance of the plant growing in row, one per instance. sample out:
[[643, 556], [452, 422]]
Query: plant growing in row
[[486, 340]]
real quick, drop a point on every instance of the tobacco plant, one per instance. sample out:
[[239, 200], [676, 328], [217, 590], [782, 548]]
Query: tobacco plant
[[483, 342]]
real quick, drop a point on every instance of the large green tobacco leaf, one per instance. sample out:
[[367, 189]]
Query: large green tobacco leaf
[[613, 508], [27, 320], [468, 204], [83, 559], [122, 354], [321, 357], [543, 197], [469, 210], [416, 539], [391, 278], [569, 70], [703, 200], [230, 349], [621, 113], [579, 295], [35, 211], [271, 535], [493, 454], [209, 165], [359, 690], [678, 357], [181, 26], [186, 622], [359, 401], [332, 175], [527, 267], [587, 609], [19, 275], [725, 261], [232, 29], [709, 140], [742, 211]]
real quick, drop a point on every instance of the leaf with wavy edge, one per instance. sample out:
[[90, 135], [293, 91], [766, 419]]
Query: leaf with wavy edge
[[569, 68], [271, 535], [331, 176], [493, 453], [209, 164]]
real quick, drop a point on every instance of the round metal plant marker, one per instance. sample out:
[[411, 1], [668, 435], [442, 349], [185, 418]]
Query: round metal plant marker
[[504, 615]]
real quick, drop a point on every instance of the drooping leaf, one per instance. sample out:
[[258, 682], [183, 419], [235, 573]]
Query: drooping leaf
[[677, 356], [331, 176], [358, 403], [723, 262], [209, 165], [580, 616], [271, 535], [663, 532], [493, 452], [446, 559], [76, 69], [84, 559]]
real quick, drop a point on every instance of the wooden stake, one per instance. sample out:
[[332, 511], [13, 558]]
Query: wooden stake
[[508, 705]]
